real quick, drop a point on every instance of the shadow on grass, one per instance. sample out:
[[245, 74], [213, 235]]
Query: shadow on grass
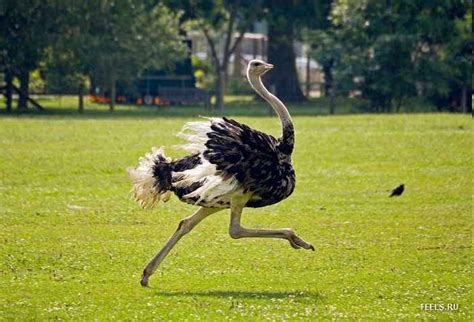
[[66, 107], [56, 110], [252, 110], [265, 295]]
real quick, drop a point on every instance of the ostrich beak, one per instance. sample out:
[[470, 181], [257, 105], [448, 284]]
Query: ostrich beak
[[267, 68]]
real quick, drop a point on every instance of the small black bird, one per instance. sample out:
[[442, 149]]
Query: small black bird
[[398, 190]]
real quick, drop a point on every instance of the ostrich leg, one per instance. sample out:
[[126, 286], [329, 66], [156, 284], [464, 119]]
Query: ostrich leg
[[236, 231], [184, 227]]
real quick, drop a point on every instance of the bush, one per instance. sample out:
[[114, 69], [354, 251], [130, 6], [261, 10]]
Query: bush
[[204, 73]]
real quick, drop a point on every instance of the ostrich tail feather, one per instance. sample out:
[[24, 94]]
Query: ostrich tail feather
[[151, 178]]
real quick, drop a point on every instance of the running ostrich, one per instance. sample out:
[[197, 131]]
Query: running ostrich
[[231, 166]]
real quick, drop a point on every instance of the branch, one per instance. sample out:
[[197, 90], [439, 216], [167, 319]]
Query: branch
[[228, 38], [237, 42], [241, 33], [211, 43]]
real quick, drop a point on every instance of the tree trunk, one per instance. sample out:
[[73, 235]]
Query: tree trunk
[[327, 70], [237, 62], [332, 100], [464, 99], [113, 89], [81, 99], [389, 105], [329, 88], [9, 90], [220, 89], [308, 74], [399, 104], [282, 55], [24, 85]]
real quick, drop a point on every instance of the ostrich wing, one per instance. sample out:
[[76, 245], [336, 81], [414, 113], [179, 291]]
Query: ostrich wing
[[252, 157], [236, 149], [236, 157]]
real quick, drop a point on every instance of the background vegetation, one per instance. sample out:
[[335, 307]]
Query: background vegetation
[[382, 51]]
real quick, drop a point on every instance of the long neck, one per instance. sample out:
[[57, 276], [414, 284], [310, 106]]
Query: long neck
[[288, 137]]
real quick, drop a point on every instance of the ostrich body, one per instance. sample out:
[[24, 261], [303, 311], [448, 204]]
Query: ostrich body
[[230, 166]]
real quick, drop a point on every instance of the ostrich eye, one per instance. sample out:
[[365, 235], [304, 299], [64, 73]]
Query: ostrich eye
[[257, 64]]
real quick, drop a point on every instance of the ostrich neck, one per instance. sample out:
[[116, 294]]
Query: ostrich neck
[[288, 135]]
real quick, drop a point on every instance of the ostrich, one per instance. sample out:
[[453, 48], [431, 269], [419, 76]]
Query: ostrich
[[230, 166]]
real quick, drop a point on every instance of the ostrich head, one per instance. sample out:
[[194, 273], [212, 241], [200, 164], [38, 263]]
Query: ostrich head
[[258, 67]]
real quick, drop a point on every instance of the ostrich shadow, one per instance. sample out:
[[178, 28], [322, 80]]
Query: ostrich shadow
[[264, 295]]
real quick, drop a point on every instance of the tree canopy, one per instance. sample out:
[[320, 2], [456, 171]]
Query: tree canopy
[[383, 51], [106, 40], [391, 50]]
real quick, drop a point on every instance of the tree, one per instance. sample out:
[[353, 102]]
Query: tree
[[395, 49], [327, 52], [68, 60], [286, 22], [219, 21], [25, 32], [108, 40], [64, 73], [125, 37], [454, 68]]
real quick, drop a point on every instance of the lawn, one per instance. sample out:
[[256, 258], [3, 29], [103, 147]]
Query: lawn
[[73, 244]]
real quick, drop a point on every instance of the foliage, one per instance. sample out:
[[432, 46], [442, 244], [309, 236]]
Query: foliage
[[74, 244], [133, 37], [203, 72], [108, 40], [37, 83], [391, 50], [286, 22], [219, 21], [386, 51], [454, 66], [118, 40], [238, 85], [25, 31], [62, 70]]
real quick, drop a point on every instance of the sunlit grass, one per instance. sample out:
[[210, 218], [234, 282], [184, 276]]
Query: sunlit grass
[[74, 245]]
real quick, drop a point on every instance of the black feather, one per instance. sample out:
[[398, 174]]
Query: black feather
[[162, 174], [260, 162], [186, 163]]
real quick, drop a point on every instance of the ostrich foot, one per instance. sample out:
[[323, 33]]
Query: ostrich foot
[[144, 280], [297, 242]]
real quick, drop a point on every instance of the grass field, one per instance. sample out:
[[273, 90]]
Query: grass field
[[73, 244]]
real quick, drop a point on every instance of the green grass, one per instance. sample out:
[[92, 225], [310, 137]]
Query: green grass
[[73, 244], [241, 105]]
